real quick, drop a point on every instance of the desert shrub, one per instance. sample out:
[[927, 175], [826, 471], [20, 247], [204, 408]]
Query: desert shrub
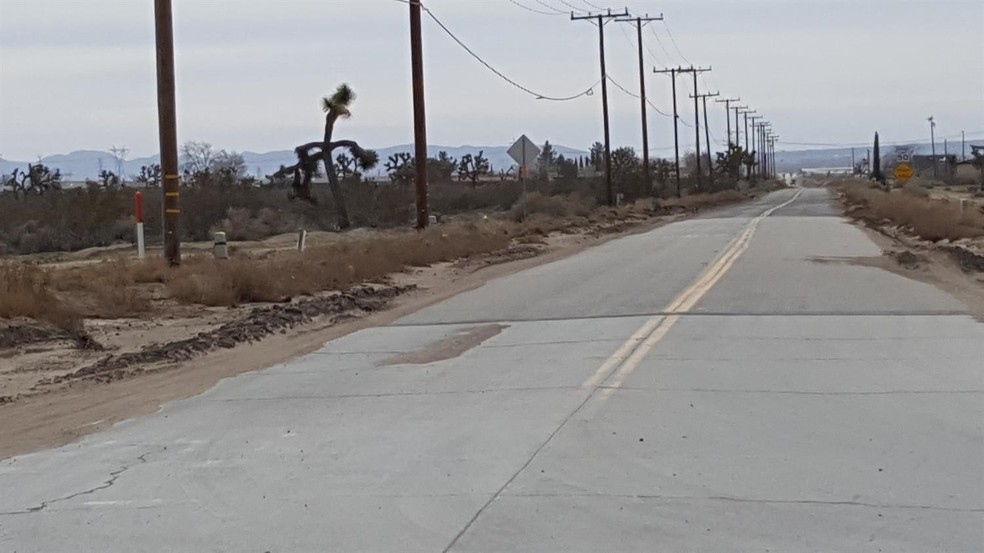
[[930, 219], [24, 292], [335, 266], [915, 189], [536, 203]]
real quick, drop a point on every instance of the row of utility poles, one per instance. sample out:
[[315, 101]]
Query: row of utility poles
[[761, 132]]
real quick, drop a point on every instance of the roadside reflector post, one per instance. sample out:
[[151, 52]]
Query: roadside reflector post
[[301, 240], [221, 248], [138, 214]]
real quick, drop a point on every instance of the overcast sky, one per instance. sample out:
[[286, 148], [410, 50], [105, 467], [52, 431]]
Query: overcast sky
[[80, 74]]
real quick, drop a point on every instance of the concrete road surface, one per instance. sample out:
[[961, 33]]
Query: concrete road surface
[[722, 384]]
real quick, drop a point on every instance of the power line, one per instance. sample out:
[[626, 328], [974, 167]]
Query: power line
[[636, 96], [675, 46], [548, 6], [661, 45], [534, 10], [501, 75], [595, 6]]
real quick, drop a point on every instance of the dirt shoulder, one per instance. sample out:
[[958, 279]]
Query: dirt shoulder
[[54, 392], [954, 266]]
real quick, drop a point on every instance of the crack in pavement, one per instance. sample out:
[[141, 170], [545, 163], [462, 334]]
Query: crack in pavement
[[649, 314], [797, 392], [398, 394], [748, 500], [113, 476]]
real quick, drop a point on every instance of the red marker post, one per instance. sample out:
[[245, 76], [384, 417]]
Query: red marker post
[[138, 213]]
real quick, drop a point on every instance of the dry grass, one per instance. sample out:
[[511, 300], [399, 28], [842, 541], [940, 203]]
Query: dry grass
[[535, 203], [694, 201], [927, 218], [282, 275], [25, 292]]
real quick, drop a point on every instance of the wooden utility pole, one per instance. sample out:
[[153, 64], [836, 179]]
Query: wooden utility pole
[[932, 139], [707, 134], [738, 124], [676, 124], [775, 168], [640, 22], [601, 19], [758, 154], [695, 71], [167, 130], [727, 116], [419, 114]]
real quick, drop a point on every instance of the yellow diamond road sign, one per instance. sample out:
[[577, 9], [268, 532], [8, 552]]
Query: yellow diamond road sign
[[903, 172]]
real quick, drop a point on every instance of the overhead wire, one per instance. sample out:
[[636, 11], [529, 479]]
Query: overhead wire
[[549, 7], [637, 97], [660, 42], [534, 10], [587, 92], [675, 45]]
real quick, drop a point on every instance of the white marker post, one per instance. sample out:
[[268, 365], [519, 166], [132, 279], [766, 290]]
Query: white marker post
[[301, 240], [220, 248], [138, 212]]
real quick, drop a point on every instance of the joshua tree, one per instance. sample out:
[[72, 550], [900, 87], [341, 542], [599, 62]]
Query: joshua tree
[[108, 179], [150, 175], [473, 167], [311, 154], [400, 168], [38, 179]]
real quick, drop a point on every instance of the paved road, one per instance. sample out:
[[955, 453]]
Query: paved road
[[714, 385]]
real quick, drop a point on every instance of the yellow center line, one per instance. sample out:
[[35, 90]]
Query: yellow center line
[[628, 356]]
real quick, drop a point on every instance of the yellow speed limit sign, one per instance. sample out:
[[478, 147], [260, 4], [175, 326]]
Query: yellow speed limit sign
[[903, 172]]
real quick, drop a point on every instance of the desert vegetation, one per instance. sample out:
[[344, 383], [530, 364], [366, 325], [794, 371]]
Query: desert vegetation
[[913, 207]]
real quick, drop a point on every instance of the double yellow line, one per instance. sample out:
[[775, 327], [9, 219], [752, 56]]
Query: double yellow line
[[628, 356]]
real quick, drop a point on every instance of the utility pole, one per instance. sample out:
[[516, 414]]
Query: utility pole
[[695, 71], [963, 146], [640, 22], [743, 111], [167, 130], [676, 124], [758, 155], [737, 123], [946, 160], [932, 139], [764, 129], [419, 114], [853, 162], [775, 169], [727, 115], [603, 18], [707, 134]]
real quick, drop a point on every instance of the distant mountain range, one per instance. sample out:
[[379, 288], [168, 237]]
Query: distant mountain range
[[86, 164], [841, 157]]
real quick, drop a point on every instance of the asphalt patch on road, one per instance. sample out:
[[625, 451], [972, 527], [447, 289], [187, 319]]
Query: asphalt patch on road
[[446, 348]]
